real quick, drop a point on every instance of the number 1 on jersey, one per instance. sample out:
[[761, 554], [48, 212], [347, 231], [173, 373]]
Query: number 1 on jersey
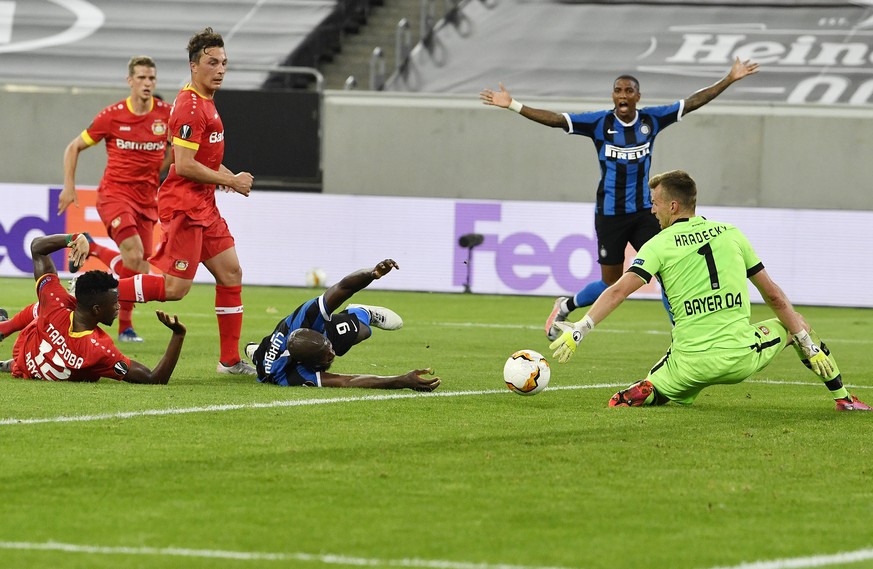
[[706, 252]]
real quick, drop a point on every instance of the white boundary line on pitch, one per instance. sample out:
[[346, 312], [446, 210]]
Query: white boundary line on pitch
[[842, 558], [328, 559], [308, 402]]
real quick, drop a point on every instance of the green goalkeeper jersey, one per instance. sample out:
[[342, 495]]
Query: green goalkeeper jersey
[[703, 267]]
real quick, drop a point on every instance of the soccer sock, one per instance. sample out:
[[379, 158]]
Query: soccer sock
[[19, 321], [117, 267], [125, 316], [834, 382], [229, 311], [142, 288], [589, 294], [105, 254]]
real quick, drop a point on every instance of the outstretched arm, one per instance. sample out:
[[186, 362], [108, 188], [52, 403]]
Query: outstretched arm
[[738, 70], [338, 294], [612, 297], [140, 373], [414, 380], [504, 100]]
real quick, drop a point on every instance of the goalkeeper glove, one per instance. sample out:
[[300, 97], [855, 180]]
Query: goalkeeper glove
[[565, 345], [818, 361]]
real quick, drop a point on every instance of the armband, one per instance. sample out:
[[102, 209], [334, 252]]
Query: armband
[[515, 106]]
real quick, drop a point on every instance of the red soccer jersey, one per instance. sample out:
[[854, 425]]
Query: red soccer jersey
[[48, 349], [135, 145], [194, 124]]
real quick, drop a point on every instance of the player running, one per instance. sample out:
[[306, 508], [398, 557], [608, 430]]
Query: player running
[[703, 266], [135, 132], [193, 230]]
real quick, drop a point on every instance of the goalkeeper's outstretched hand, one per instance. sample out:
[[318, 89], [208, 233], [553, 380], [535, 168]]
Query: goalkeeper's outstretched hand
[[565, 345], [818, 361]]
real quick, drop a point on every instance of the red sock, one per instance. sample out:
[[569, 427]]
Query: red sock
[[19, 321], [125, 316], [105, 254], [142, 288], [119, 269], [229, 310]]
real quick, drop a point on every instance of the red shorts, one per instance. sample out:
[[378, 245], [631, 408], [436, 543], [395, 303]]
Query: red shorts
[[124, 219], [186, 242]]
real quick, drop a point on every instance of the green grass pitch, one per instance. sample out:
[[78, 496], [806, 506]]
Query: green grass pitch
[[472, 477]]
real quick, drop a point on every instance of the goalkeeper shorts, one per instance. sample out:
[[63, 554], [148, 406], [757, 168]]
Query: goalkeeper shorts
[[680, 376]]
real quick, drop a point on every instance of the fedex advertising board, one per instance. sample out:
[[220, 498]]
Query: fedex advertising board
[[527, 248]]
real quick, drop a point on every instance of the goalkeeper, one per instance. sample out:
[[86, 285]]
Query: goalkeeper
[[702, 266]]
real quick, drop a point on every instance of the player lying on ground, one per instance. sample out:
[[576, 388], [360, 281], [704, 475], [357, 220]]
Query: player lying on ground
[[64, 342], [304, 344], [703, 266]]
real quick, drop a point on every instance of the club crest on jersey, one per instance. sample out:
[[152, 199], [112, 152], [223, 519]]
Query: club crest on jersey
[[181, 265], [121, 368], [115, 222], [644, 128], [185, 132], [159, 128]]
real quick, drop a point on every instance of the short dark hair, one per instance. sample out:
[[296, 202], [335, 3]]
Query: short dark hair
[[629, 78], [202, 41], [143, 60], [92, 285], [308, 347], [678, 185]]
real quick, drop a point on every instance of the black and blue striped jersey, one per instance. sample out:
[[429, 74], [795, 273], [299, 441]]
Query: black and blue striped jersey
[[624, 152]]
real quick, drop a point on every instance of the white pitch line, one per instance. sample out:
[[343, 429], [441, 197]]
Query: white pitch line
[[271, 405], [328, 559], [843, 558], [308, 402]]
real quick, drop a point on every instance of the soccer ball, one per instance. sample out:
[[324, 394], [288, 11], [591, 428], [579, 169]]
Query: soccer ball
[[526, 372], [316, 277]]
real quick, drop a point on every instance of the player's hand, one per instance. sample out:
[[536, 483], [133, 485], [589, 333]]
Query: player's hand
[[79, 250], [171, 323], [242, 183], [741, 69], [416, 381], [67, 197], [500, 98], [565, 345], [384, 268], [818, 361]]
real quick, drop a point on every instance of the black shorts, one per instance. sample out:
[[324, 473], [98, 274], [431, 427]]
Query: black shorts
[[614, 232], [342, 330]]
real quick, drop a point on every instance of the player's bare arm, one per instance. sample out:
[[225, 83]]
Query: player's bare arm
[[739, 70], [416, 380], [188, 167], [71, 160], [140, 373], [339, 293], [42, 247], [778, 302], [504, 100]]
